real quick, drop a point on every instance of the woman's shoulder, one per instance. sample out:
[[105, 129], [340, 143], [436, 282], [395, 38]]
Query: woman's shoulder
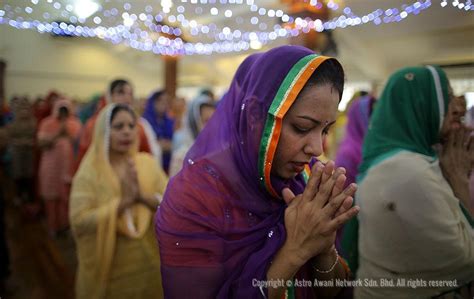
[[405, 172], [405, 163], [199, 185]]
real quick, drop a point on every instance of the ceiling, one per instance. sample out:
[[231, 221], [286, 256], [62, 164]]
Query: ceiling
[[367, 52]]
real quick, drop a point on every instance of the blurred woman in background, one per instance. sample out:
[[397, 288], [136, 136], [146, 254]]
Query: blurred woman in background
[[115, 193], [56, 137]]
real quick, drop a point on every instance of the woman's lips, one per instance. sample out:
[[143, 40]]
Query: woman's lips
[[298, 166]]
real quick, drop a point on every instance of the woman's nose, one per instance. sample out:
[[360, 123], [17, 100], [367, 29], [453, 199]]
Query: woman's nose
[[314, 145]]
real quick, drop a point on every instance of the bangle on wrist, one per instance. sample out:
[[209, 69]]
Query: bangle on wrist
[[332, 267]]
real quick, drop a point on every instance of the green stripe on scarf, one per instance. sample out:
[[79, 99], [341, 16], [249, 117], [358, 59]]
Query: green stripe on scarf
[[281, 96]]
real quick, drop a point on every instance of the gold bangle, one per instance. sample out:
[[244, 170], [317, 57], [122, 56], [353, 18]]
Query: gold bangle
[[331, 268]]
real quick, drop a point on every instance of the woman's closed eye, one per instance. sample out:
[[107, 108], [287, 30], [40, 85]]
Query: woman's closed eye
[[301, 130], [120, 126], [117, 126]]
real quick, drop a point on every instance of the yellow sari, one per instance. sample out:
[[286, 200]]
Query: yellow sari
[[118, 257]]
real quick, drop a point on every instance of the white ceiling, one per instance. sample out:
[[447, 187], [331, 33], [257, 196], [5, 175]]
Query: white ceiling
[[367, 52], [370, 53]]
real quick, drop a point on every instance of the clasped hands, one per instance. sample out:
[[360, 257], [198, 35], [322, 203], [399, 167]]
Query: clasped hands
[[313, 217]]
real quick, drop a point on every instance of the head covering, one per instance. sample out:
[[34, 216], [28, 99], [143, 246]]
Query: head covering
[[222, 218], [408, 116], [43, 111], [193, 117], [96, 167], [162, 125], [193, 124], [349, 154], [51, 125]]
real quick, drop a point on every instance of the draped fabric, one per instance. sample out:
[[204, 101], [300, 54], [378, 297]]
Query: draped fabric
[[162, 125], [145, 143], [407, 117], [349, 153], [116, 255], [221, 221], [57, 163], [184, 138]]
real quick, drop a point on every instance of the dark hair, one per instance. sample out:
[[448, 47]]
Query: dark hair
[[206, 105], [157, 95], [63, 111], [207, 92], [117, 85], [329, 72], [121, 107]]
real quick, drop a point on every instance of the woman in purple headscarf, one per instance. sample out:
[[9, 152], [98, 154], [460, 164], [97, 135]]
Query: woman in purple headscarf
[[349, 154], [230, 225], [156, 113]]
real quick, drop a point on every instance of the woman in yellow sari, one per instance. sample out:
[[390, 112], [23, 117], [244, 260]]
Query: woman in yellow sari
[[114, 194]]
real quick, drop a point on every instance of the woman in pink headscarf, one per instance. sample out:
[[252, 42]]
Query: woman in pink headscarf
[[56, 136]]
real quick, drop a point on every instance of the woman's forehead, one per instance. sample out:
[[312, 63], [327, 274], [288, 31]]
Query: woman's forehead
[[319, 101]]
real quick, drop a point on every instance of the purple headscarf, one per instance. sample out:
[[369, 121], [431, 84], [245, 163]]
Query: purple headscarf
[[163, 125], [349, 154], [219, 227]]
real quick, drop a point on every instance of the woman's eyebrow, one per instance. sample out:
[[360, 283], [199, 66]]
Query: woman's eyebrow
[[317, 122]]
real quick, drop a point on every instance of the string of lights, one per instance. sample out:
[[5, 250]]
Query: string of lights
[[143, 31]]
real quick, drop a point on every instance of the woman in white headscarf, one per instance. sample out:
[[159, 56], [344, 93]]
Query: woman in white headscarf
[[199, 112]]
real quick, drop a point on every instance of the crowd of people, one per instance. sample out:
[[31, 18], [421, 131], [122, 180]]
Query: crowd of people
[[228, 199]]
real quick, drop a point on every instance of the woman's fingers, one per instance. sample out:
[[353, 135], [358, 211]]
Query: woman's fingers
[[337, 222], [466, 137], [290, 198], [287, 195], [451, 139], [470, 145], [335, 203], [326, 188], [313, 183], [328, 170], [346, 205], [339, 184]]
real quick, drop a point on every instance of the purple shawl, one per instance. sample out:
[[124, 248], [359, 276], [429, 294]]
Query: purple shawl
[[218, 226], [349, 154], [162, 126]]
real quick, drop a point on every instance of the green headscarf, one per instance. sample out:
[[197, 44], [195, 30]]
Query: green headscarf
[[408, 116]]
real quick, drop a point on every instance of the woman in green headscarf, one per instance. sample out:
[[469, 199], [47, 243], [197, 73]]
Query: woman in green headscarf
[[415, 220]]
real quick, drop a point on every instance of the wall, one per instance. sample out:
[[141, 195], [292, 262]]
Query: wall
[[78, 67]]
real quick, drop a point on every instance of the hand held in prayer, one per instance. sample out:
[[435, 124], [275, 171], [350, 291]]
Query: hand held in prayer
[[129, 185], [457, 156], [312, 218], [63, 130], [456, 162]]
